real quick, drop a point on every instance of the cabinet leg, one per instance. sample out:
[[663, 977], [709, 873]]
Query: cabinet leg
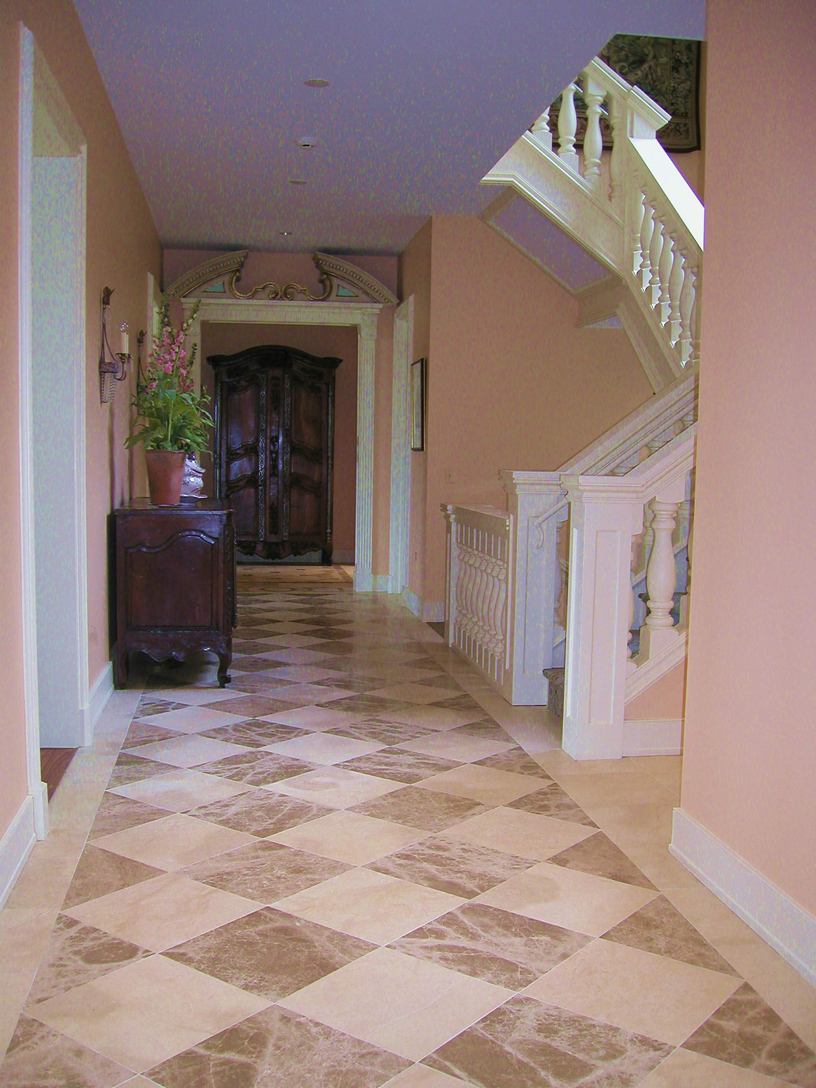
[[223, 664], [326, 556], [120, 668]]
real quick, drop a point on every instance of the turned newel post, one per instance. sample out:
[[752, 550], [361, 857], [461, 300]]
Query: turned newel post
[[541, 130], [593, 140], [567, 127]]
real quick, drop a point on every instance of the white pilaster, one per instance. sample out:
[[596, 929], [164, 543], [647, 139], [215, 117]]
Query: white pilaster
[[366, 357]]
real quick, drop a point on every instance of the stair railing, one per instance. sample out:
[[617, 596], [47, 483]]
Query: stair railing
[[606, 519]]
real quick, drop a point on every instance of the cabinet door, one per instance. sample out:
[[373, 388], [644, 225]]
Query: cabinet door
[[310, 441], [242, 410]]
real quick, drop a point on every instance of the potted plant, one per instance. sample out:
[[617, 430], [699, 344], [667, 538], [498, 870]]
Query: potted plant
[[172, 419]]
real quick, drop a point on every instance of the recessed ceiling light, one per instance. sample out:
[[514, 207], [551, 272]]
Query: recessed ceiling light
[[284, 233], [316, 82], [297, 181], [306, 142]]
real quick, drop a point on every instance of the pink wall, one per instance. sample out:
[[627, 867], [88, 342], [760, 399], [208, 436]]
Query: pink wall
[[664, 699], [317, 340], [512, 382], [415, 279], [750, 747], [122, 247]]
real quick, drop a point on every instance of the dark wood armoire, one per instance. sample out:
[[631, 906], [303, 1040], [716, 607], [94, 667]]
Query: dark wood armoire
[[274, 448]]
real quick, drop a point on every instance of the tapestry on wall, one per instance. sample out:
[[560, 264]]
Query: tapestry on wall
[[668, 70]]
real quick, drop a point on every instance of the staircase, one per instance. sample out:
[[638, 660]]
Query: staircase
[[524, 597]]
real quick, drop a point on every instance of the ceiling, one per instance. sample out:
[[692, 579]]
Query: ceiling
[[424, 98]]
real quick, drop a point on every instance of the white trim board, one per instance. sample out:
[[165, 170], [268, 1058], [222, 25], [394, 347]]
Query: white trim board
[[100, 694], [401, 446], [15, 846], [653, 737], [766, 908]]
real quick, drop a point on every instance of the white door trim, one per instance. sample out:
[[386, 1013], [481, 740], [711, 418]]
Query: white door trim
[[36, 80], [401, 447], [364, 316]]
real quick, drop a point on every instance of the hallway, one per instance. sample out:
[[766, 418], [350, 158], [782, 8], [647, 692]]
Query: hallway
[[357, 866]]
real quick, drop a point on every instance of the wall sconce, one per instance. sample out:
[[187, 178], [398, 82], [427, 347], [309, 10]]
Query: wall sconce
[[113, 366]]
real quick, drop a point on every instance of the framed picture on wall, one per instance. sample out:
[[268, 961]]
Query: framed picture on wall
[[418, 405]]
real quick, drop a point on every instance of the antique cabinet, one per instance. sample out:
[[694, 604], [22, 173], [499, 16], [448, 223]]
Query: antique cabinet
[[274, 439], [175, 582]]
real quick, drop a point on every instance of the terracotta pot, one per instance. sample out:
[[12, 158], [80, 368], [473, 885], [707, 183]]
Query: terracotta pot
[[165, 471]]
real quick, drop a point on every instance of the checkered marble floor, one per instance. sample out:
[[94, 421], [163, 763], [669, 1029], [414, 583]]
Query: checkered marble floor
[[341, 871]]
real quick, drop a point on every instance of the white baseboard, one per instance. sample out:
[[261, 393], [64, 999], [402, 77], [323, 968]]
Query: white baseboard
[[653, 737], [382, 583], [768, 910], [343, 555], [100, 694], [433, 611], [15, 846], [363, 581], [411, 601]]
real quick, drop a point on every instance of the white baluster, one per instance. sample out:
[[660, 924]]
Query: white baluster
[[567, 127], [687, 295], [661, 575], [664, 272], [616, 158], [593, 140], [541, 130], [637, 226], [675, 290], [655, 250], [646, 228]]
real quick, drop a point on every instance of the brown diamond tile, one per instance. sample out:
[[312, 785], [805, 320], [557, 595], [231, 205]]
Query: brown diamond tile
[[460, 702], [39, 1057], [661, 928], [458, 868], [117, 813], [246, 706], [130, 768], [527, 1044], [143, 733], [149, 704], [261, 813], [553, 801], [270, 953], [421, 808], [378, 729], [745, 1031], [254, 733], [265, 871], [258, 683], [371, 705], [76, 954], [515, 760], [257, 768], [399, 765], [100, 871], [280, 1049], [599, 855], [495, 945]]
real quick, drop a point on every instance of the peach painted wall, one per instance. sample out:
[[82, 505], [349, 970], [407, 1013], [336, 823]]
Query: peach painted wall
[[415, 279], [317, 340], [664, 699], [750, 748], [512, 383], [122, 246]]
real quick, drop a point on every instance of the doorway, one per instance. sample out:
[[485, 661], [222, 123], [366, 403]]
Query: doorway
[[52, 172]]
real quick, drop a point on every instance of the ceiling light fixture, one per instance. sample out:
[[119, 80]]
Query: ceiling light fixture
[[284, 233], [297, 181], [306, 142], [317, 83]]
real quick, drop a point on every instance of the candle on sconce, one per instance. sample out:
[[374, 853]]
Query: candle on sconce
[[124, 341]]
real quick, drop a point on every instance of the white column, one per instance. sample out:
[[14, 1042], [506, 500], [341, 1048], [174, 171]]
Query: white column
[[366, 352], [532, 496], [605, 513]]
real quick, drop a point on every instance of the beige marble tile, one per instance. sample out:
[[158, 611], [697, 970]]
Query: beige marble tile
[[639, 823], [414, 693], [615, 789], [188, 751], [180, 790], [485, 784], [194, 696], [163, 911], [370, 905], [350, 836], [194, 719], [324, 748], [682, 1069], [335, 787], [402, 1004], [454, 744], [520, 833], [174, 842], [148, 1011], [578, 901], [638, 991], [435, 717], [668, 770], [314, 718], [420, 1076]]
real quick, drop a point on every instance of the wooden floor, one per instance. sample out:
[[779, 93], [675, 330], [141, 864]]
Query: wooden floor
[[53, 765]]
